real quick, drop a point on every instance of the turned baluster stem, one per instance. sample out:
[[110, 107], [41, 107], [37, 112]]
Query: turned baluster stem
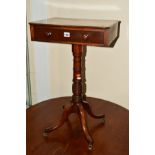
[[79, 86]]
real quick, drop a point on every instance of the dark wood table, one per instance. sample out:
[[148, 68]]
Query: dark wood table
[[110, 138], [80, 33]]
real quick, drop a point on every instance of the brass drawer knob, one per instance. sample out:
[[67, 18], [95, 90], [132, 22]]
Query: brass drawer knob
[[85, 36], [48, 34]]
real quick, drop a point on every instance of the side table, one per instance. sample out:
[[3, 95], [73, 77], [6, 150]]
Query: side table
[[80, 33]]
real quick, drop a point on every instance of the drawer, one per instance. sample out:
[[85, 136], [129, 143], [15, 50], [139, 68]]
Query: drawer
[[66, 35]]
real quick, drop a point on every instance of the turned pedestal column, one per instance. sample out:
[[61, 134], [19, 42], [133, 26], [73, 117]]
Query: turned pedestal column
[[79, 104]]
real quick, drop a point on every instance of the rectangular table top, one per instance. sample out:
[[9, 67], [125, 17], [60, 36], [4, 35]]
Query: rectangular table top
[[76, 31], [78, 22]]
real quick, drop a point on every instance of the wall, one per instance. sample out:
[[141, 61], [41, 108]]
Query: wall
[[106, 68]]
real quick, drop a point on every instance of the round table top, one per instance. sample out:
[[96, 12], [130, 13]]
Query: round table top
[[111, 138]]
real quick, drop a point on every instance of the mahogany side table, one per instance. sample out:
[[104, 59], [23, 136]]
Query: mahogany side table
[[80, 33]]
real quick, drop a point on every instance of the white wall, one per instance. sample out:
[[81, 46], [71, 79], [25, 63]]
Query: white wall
[[106, 68], [37, 9]]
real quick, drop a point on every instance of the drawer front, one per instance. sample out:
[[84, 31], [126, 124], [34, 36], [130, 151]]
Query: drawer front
[[50, 34]]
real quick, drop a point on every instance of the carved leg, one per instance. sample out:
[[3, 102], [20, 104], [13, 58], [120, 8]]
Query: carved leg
[[89, 111], [82, 115], [64, 117]]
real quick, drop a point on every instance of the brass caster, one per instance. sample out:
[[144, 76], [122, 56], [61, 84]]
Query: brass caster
[[90, 146], [103, 120], [45, 134]]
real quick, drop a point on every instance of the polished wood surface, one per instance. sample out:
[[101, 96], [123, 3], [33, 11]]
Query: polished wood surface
[[110, 138], [100, 23], [79, 31]]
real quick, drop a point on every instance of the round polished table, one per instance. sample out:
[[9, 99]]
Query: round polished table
[[110, 137]]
